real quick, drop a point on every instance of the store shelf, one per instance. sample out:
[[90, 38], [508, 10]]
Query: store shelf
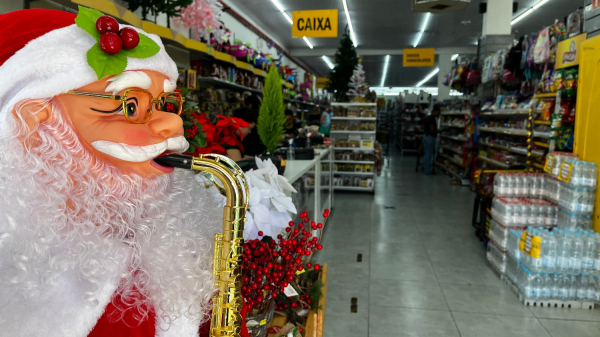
[[448, 170], [540, 134], [354, 149], [542, 144], [458, 139], [540, 166], [505, 131], [346, 173], [353, 104], [547, 95], [453, 126], [167, 35], [353, 188], [364, 174], [353, 162], [510, 149], [539, 122], [360, 132], [494, 162], [451, 149], [452, 160], [217, 82], [454, 113], [506, 112], [353, 118]]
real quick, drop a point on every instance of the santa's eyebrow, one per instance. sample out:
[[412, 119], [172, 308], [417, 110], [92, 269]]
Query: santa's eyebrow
[[115, 110]]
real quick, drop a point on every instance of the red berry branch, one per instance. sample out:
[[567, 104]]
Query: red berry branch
[[270, 266]]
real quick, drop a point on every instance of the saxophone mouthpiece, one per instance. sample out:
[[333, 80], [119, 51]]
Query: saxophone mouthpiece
[[176, 160]]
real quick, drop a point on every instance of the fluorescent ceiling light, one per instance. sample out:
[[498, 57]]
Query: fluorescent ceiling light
[[385, 69], [529, 11], [278, 6], [352, 35], [288, 18], [326, 59], [423, 27], [433, 73], [454, 57], [307, 42]]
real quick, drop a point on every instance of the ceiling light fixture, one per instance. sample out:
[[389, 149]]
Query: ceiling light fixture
[[529, 11], [385, 69], [326, 59], [422, 30], [352, 35], [454, 57], [433, 73], [287, 17], [307, 42]]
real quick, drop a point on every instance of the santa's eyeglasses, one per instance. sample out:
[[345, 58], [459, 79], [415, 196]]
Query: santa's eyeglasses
[[138, 105]]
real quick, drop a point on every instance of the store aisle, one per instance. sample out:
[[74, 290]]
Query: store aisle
[[423, 272]]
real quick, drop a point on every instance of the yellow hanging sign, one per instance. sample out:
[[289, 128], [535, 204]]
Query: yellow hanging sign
[[418, 57], [568, 51], [321, 82], [318, 23]]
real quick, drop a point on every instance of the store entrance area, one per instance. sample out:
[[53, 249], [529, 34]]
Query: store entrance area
[[423, 271]]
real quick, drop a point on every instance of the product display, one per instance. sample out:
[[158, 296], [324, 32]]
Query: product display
[[212, 168]]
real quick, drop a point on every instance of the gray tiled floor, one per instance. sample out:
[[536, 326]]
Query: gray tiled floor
[[423, 272]]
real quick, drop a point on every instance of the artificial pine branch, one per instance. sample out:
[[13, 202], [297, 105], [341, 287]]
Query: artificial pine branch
[[271, 116], [345, 62]]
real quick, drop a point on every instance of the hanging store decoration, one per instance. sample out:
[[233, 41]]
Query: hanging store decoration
[[320, 23]]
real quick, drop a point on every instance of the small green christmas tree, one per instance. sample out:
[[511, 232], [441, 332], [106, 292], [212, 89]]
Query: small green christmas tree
[[345, 62], [271, 116]]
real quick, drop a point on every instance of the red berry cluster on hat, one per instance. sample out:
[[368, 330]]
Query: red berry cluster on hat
[[113, 39]]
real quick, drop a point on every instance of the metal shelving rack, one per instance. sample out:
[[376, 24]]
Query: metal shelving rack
[[366, 135], [411, 117], [449, 122]]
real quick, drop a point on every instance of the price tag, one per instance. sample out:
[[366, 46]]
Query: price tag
[[289, 291], [263, 322], [565, 171]]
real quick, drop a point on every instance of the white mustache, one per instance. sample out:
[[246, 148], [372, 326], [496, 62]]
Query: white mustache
[[139, 154]]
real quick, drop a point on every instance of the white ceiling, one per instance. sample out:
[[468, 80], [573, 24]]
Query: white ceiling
[[391, 24]]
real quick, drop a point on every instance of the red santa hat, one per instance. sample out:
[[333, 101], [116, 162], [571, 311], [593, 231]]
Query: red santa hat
[[43, 54]]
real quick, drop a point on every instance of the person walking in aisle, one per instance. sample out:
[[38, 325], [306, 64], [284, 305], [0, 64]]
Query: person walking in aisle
[[429, 139]]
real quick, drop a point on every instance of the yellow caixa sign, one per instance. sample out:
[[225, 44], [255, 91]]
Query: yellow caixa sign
[[418, 57], [318, 23], [568, 51]]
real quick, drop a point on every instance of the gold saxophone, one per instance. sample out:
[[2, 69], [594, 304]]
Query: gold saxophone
[[228, 253]]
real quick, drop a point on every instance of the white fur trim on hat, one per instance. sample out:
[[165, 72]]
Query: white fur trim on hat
[[56, 62]]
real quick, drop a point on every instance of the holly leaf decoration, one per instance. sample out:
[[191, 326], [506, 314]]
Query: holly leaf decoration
[[146, 48], [86, 20], [105, 64]]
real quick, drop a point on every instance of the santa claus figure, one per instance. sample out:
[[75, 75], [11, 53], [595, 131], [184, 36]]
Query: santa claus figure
[[96, 239]]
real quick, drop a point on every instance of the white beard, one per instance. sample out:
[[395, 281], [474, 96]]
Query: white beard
[[60, 265]]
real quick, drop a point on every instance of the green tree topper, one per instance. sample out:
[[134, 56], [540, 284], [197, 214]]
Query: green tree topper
[[271, 116], [345, 62]]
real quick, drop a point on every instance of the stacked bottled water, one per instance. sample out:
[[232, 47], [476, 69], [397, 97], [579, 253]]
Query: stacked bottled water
[[567, 267], [524, 212]]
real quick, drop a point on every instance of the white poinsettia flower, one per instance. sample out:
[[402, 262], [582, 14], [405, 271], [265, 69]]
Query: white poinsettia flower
[[269, 207]]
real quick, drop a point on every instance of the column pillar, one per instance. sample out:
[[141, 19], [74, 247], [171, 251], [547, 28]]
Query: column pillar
[[445, 65], [496, 32]]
